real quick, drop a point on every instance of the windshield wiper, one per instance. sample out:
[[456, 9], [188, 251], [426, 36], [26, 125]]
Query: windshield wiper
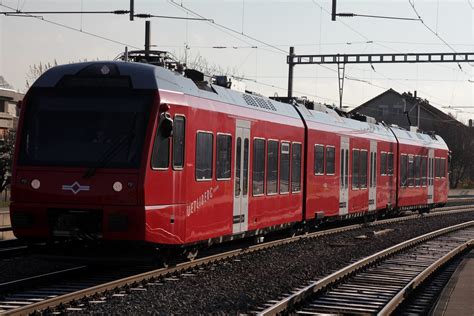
[[113, 149]]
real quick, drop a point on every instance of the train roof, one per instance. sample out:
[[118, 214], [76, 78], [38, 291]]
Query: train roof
[[145, 76]]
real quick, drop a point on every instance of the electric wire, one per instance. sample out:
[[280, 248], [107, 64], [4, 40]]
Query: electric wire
[[77, 30]]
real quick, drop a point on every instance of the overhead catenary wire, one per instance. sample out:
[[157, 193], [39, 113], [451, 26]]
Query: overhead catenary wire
[[77, 30]]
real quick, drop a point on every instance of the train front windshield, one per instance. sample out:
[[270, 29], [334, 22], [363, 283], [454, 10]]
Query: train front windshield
[[81, 128]]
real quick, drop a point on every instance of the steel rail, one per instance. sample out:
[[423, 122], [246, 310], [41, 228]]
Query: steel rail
[[181, 267], [320, 285], [418, 280], [453, 200]]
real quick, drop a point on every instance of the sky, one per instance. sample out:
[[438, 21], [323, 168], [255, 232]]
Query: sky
[[254, 37]]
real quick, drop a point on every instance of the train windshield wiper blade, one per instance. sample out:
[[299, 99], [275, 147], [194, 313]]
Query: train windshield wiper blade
[[109, 153]]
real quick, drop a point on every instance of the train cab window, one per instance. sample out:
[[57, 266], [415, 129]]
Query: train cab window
[[272, 167], [318, 159], [383, 164], [160, 157], [296, 167], [417, 170], [178, 141], [284, 167], [411, 171], [363, 169], [330, 160], [223, 157], [424, 171], [204, 148], [355, 168], [390, 164], [258, 167]]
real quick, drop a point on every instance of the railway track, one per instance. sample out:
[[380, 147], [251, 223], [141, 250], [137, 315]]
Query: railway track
[[379, 283], [26, 305]]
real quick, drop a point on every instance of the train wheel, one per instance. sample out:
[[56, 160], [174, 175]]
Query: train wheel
[[191, 254]]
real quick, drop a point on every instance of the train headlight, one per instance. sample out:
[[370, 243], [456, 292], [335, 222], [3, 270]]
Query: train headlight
[[35, 184], [117, 186]]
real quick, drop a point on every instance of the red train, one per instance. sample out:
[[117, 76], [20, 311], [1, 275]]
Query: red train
[[136, 152]]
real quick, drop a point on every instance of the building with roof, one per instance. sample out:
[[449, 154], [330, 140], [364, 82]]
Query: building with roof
[[405, 110], [9, 110]]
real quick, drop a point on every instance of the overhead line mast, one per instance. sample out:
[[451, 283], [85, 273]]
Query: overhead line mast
[[342, 59]]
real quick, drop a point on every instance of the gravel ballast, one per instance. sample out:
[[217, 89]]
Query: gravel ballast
[[253, 279]]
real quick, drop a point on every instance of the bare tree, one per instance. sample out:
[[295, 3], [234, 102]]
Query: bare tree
[[4, 83], [7, 145], [37, 70]]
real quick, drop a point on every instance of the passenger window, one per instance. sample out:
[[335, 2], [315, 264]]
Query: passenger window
[[204, 148], [411, 171], [330, 160], [245, 177], [178, 141], [423, 171], [363, 169], [403, 170], [417, 171], [437, 171], [272, 167], [223, 157], [355, 168], [284, 167], [258, 168], [383, 164], [160, 157], [237, 166], [318, 159], [342, 172], [390, 164], [296, 168]]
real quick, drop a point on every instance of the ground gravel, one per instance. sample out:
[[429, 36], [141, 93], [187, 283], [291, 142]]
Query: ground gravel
[[250, 281]]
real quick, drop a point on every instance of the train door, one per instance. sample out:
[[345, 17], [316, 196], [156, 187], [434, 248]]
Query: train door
[[241, 177], [373, 176], [344, 177], [430, 176]]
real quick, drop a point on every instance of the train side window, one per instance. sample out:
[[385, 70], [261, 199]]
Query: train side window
[[223, 157], [245, 177], [443, 167], [179, 125], [284, 167], [355, 168], [363, 169], [423, 171], [204, 150], [238, 152], [375, 169], [272, 167], [383, 164], [417, 170], [411, 171], [296, 167], [403, 171], [258, 167], [346, 169], [330, 160], [437, 168], [318, 159], [342, 171], [160, 157], [390, 164]]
